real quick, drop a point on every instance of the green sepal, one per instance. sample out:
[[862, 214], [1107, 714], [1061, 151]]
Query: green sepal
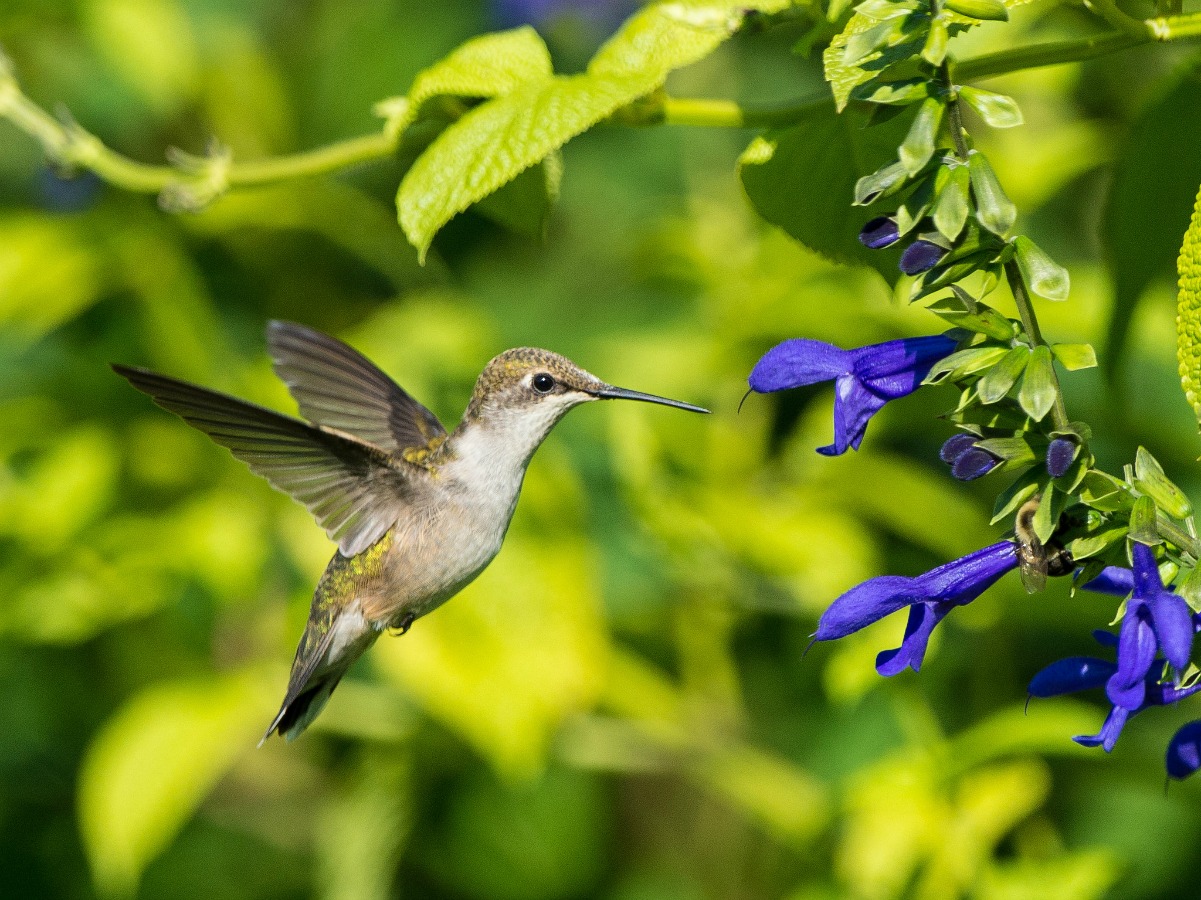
[[913, 211], [951, 202], [1075, 357], [943, 275], [963, 362], [1143, 527], [998, 381], [1104, 493], [1092, 544], [1150, 478], [1190, 588], [1015, 449], [883, 182], [1022, 489], [1039, 389], [997, 110], [1080, 432], [983, 320], [994, 210], [1046, 517], [1042, 275], [987, 10], [889, 32], [902, 91], [935, 49], [918, 146]]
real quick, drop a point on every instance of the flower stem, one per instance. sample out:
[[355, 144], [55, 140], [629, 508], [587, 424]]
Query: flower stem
[[1055, 53], [1059, 413], [1178, 536]]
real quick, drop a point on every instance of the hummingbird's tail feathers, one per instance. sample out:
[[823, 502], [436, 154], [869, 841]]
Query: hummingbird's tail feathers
[[338, 387], [298, 713], [355, 491]]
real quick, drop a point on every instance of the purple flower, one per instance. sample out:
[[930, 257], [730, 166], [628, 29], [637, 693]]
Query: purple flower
[[1114, 580], [1184, 751], [929, 598], [1079, 673], [865, 378], [879, 233], [510, 13], [921, 256], [1060, 454], [967, 461], [1155, 621]]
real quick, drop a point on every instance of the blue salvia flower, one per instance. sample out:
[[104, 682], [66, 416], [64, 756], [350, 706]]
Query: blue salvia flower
[[1184, 751], [865, 378], [930, 597], [1116, 580], [510, 13], [1156, 620]]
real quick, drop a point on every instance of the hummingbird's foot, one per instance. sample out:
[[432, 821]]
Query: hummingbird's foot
[[405, 624]]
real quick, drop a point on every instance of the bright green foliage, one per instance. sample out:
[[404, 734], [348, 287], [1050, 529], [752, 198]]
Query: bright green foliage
[[148, 769], [493, 143], [1188, 312], [997, 110], [1042, 275]]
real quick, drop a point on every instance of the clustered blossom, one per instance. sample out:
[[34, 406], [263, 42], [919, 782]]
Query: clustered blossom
[[865, 378], [1157, 630], [966, 459], [920, 256]]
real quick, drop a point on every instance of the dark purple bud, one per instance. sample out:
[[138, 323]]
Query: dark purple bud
[[973, 463], [879, 233], [1060, 454], [1184, 751], [921, 256], [956, 446]]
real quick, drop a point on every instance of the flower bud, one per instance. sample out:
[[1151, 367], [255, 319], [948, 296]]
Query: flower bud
[[973, 464], [921, 256], [879, 233], [956, 446], [1060, 454]]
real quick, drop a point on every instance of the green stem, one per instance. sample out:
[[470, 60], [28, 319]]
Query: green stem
[[708, 113], [1051, 54], [1177, 535], [1059, 413], [1108, 10]]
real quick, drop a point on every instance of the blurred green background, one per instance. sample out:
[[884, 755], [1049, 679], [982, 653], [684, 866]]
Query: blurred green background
[[620, 707]]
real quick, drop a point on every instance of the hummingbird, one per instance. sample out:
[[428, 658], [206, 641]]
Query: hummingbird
[[417, 513]]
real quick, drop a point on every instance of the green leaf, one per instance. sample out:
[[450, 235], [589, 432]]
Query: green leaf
[[893, 93], [1042, 275], [1188, 312], [985, 320], [150, 766], [994, 210], [1105, 493], [525, 203], [1143, 525], [951, 206], [997, 382], [1022, 489], [988, 10], [964, 362], [1090, 545], [918, 147], [488, 66], [1015, 450], [997, 110], [844, 77], [497, 140], [802, 178], [883, 182], [1075, 357], [1149, 202], [1150, 478], [935, 49], [1046, 517], [1039, 388]]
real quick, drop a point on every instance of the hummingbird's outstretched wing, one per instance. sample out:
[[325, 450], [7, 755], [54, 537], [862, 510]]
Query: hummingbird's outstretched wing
[[355, 491], [338, 387]]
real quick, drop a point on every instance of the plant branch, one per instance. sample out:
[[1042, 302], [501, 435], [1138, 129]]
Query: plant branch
[[1055, 53], [1177, 535]]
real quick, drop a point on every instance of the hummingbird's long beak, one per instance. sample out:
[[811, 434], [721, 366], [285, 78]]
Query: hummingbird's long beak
[[608, 392]]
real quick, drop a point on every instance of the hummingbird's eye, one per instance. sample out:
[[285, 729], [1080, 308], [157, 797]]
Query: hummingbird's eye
[[543, 383]]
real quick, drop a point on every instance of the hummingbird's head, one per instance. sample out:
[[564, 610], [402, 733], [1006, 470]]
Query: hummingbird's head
[[527, 391]]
